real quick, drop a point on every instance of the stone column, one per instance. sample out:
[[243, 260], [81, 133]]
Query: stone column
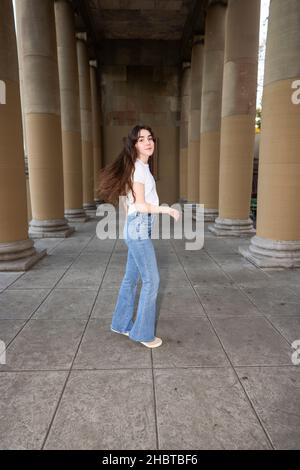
[[70, 111], [277, 241], [194, 121], [238, 118], [42, 116], [21, 75], [213, 63], [86, 125], [184, 123], [17, 252], [96, 125]]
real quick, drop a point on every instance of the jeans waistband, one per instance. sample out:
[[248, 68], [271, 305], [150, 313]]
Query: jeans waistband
[[134, 214]]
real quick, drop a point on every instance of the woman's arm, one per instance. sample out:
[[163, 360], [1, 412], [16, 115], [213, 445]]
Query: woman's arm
[[143, 206]]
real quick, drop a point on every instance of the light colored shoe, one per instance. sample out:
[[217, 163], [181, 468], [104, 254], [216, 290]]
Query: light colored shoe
[[126, 333], [152, 344]]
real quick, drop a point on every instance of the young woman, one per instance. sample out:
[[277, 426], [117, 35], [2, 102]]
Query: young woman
[[130, 175]]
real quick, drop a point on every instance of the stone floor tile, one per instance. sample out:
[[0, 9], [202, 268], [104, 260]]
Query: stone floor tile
[[205, 409], [20, 304], [39, 279], [275, 395], [45, 344], [179, 301], [288, 325], [252, 341], [67, 303], [105, 410], [28, 401], [9, 329], [187, 342], [225, 300], [84, 278], [8, 278], [103, 349], [271, 300]]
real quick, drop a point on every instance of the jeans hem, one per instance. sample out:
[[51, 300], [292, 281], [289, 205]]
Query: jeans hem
[[142, 340]]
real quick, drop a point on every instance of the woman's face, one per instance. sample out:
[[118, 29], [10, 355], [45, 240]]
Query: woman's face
[[145, 144]]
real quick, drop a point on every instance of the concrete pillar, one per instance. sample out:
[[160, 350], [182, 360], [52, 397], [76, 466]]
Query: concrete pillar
[[238, 118], [277, 241], [21, 75], [17, 252], [184, 123], [70, 111], [212, 83], [96, 126], [42, 116], [194, 121], [86, 125]]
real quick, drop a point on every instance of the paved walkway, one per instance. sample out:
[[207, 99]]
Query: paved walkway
[[223, 378]]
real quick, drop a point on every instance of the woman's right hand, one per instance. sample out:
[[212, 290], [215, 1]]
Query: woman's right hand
[[174, 213]]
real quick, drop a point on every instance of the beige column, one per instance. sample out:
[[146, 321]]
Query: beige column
[[277, 241], [238, 118], [86, 125], [17, 252], [21, 75], [96, 126], [213, 63], [70, 111], [42, 116], [194, 121], [184, 123]]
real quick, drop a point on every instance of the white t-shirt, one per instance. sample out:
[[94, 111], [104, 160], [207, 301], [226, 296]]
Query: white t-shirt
[[142, 174]]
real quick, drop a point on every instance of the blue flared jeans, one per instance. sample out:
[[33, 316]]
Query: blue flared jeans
[[141, 262]]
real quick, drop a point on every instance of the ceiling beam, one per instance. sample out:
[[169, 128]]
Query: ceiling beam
[[195, 24]]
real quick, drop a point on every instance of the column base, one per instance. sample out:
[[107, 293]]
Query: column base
[[266, 253], [232, 227], [19, 255], [210, 215], [90, 209], [53, 228], [76, 216]]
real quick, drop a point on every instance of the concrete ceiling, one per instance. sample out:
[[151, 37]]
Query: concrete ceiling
[[139, 19], [142, 20]]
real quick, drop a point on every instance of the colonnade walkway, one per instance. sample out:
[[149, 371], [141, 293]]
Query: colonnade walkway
[[223, 378]]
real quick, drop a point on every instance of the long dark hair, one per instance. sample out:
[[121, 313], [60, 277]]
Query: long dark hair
[[116, 179]]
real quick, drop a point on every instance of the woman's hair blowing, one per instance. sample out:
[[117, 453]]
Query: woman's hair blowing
[[116, 179]]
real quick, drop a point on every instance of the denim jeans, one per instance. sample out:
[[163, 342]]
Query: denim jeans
[[141, 262]]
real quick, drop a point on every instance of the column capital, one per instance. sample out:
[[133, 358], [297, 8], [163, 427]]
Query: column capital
[[82, 36], [93, 63]]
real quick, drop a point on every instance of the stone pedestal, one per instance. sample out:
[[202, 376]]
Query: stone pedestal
[[58, 228], [266, 253], [19, 256], [232, 227]]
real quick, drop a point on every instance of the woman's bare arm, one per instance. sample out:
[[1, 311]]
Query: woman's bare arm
[[143, 206]]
